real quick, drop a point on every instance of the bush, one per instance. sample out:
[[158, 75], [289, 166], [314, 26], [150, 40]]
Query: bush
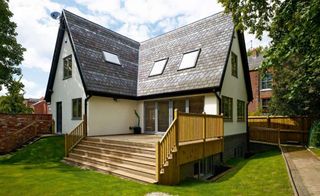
[[314, 138]]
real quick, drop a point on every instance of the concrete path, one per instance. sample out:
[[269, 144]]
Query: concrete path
[[305, 169]]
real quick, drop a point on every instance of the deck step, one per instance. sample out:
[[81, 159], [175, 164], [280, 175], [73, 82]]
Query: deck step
[[121, 166], [144, 150], [116, 159], [116, 152], [128, 143], [109, 170]]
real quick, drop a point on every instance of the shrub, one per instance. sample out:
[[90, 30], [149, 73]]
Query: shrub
[[314, 138]]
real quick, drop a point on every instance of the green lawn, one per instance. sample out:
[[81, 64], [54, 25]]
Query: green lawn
[[316, 151], [37, 170]]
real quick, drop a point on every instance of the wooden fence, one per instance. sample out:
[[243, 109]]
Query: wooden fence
[[279, 129], [190, 137], [75, 136]]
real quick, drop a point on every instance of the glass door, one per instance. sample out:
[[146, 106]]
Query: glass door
[[150, 116], [163, 116]]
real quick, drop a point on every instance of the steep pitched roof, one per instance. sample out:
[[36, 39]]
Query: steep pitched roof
[[212, 35], [88, 41]]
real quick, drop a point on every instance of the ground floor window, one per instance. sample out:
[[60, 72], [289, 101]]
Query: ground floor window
[[265, 105], [227, 108], [76, 108], [240, 110]]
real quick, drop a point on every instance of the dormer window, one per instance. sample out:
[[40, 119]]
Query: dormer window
[[158, 67], [189, 60], [67, 67], [111, 58]]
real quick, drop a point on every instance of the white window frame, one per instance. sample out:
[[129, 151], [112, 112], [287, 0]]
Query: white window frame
[[185, 61], [161, 64], [111, 57]]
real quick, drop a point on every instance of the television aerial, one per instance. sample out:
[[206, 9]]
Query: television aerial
[[55, 15]]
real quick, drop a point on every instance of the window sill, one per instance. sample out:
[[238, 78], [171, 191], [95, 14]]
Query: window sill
[[76, 118], [266, 89], [65, 78]]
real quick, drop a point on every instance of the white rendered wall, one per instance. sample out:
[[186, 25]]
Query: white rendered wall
[[235, 88], [211, 104], [107, 116], [66, 90]]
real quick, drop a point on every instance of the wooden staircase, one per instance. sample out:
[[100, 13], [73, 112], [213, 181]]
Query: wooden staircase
[[126, 159]]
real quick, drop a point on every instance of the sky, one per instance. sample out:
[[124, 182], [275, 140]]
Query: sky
[[137, 19]]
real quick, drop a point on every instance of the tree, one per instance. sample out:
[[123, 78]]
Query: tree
[[294, 52], [12, 103], [11, 52]]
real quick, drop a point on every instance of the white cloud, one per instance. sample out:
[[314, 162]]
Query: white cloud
[[251, 40], [101, 6]]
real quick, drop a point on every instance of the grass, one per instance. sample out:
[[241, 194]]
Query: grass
[[37, 170], [316, 151]]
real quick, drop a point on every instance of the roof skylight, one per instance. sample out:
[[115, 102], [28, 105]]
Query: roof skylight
[[189, 60], [112, 58], [158, 67]]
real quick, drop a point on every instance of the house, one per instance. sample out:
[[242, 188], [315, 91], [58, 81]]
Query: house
[[113, 83], [41, 107], [261, 86]]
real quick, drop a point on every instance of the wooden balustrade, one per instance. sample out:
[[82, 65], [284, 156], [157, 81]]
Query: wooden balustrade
[[185, 128], [74, 137]]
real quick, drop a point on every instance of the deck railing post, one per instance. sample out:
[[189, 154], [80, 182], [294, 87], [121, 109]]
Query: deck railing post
[[158, 161], [176, 116], [66, 145]]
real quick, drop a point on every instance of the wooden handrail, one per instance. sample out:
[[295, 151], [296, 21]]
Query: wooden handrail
[[74, 137], [186, 127]]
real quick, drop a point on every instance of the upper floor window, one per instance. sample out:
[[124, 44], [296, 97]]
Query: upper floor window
[[189, 60], [76, 108], [227, 108], [266, 81], [111, 58], [234, 64], [67, 67], [240, 110], [158, 67]]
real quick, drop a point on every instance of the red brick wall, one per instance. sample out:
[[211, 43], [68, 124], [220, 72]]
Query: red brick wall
[[14, 129], [255, 83], [257, 94], [40, 108]]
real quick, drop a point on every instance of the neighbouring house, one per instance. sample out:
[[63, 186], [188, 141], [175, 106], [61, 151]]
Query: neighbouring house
[[115, 83], [261, 86], [39, 106]]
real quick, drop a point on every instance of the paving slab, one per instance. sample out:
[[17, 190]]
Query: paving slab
[[305, 169]]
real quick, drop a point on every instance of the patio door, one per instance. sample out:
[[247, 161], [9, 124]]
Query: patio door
[[150, 116], [59, 117], [163, 116]]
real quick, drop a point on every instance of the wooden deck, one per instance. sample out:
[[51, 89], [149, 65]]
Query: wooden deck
[[149, 158], [136, 138]]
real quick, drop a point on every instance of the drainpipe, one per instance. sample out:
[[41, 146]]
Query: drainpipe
[[219, 100], [86, 111], [219, 103]]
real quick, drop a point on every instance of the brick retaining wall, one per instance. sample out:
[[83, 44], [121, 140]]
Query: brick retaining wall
[[14, 129]]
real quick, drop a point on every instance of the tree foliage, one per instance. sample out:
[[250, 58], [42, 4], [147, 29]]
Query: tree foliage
[[11, 52], [12, 103], [294, 52]]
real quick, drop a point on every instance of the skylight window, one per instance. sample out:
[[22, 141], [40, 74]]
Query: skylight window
[[158, 67], [189, 60], [112, 58]]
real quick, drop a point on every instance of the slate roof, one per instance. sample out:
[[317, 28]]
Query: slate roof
[[255, 62], [213, 35]]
